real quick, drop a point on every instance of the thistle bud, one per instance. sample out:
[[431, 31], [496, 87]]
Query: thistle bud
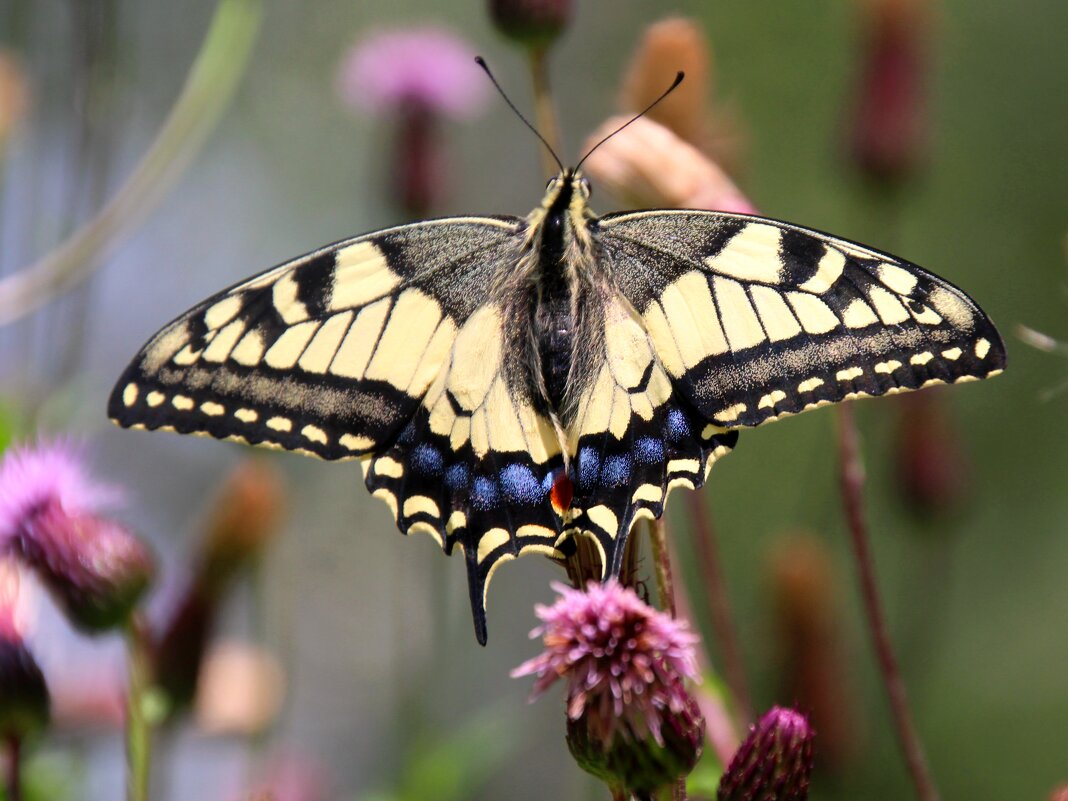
[[639, 763], [889, 129], [96, 569], [1060, 794], [533, 23], [24, 700], [932, 473], [667, 47], [245, 518], [13, 95], [774, 762]]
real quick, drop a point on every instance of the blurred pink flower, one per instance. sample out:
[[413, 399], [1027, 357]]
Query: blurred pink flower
[[624, 662], [47, 474], [429, 66]]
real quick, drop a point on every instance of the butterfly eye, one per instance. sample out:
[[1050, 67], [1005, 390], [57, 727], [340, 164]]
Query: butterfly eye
[[549, 183]]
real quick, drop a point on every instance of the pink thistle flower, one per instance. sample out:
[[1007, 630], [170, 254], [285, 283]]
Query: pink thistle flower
[[94, 567], [428, 66], [48, 474], [624, 662]]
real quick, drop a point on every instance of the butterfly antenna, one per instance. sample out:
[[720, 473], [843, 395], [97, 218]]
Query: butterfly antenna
[[485, 67], [674, 85]]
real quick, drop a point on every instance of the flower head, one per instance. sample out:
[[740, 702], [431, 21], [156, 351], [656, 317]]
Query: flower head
[[774, 762], [624, 662], [50, 473], [95, 568], [428, 66]]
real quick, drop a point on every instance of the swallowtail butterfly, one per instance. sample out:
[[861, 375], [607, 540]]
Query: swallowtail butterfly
[[509, 383]]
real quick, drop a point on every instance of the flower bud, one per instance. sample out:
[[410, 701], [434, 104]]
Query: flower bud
[[803, 578], [244, 519], [666, 47], [534, 23], [24, 700], [639, 763], [932, 474], [889, 129], [1060, 794], [648, 166], [96, 569], [774, 762], [13, 95]]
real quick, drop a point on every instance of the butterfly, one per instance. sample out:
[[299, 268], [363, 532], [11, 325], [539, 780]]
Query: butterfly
[[510, 384]]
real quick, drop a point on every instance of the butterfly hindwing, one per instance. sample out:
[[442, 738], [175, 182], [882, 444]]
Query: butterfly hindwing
[[476, 464], [633, 438], [754, 319]]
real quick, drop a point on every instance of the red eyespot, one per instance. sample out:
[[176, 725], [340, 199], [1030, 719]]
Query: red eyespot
[[561, 493]]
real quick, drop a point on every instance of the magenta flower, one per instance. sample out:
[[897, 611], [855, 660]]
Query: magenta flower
[[624, 662], [48, 474], [428, 66], [775, 761]]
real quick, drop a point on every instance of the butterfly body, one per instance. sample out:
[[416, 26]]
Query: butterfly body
[[512, 383]]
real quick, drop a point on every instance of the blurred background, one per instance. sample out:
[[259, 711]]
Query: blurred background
[[353, 644]]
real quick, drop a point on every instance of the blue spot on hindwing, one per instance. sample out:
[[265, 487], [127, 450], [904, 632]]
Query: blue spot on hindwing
[[589, 468], [616, 471], [426, 459], [520, 485], [484, 494], [677, 427], [648, 450], [456, 477]]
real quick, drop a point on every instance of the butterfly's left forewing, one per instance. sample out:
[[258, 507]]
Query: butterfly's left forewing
[[329, 354]]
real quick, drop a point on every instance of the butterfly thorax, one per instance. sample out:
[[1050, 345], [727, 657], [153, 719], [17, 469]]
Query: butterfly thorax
[[560, 265]]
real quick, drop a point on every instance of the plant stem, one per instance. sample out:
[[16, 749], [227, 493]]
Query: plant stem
[[138, 728], [851, 475], [14, 768], [665, 587], [719, 606], [544, 113], [211, 82]]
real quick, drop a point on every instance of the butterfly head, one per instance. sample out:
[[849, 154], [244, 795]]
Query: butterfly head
[[564, 213]]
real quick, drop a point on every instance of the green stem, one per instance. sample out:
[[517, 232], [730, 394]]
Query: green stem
[[138, 726], [208, 89], [851, 474], [544, 112]]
